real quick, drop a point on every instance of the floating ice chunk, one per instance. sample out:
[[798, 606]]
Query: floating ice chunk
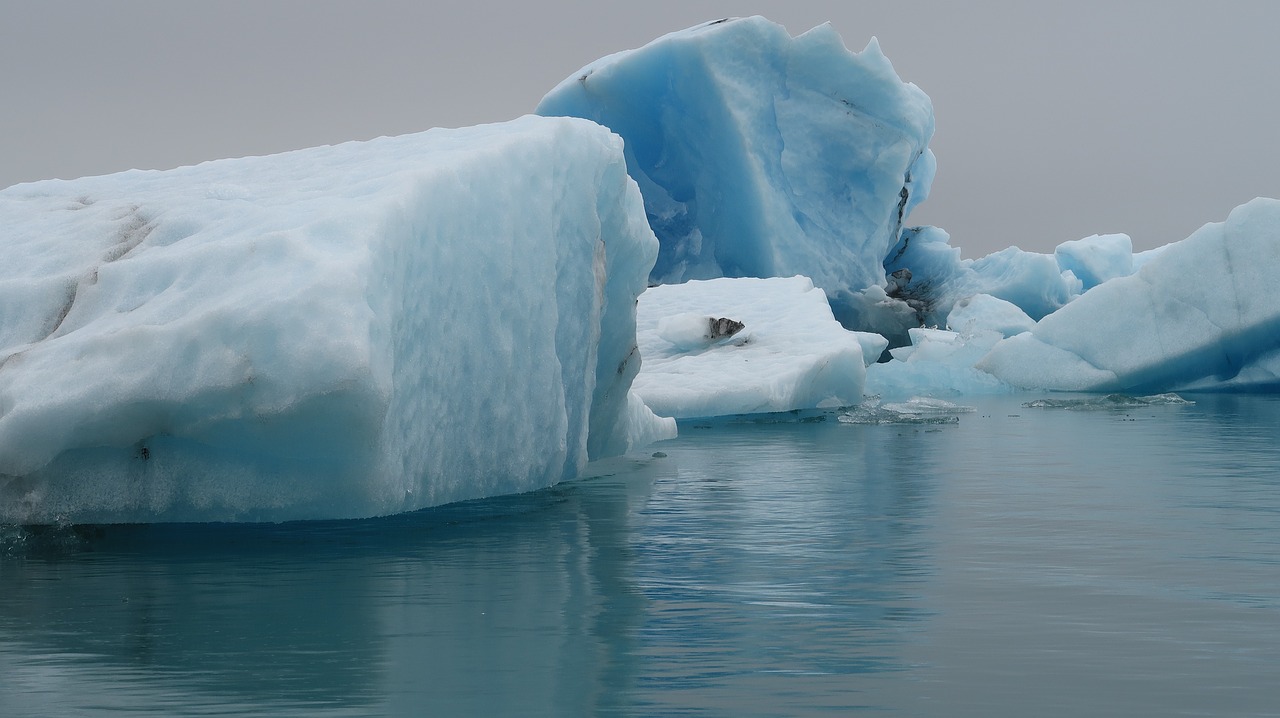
[[927, 405], [937, 363], [918, 410], [791, 353], [760, 154], [336, 332], [1110, 401], [983, 312], [1202, 314], [1094, 260]]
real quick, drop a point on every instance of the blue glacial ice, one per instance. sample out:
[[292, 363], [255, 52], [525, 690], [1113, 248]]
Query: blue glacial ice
[[1202, 314], [979, 312], [1198, 314], [937, 278], [377, 327], [763, 155], [1094, 260], [343, 331], [937, 363]]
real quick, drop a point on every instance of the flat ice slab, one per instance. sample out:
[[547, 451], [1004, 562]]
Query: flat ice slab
[[789, 354], [337, 332]]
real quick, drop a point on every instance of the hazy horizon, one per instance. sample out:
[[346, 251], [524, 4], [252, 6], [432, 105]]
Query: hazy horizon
[[1053, 122]]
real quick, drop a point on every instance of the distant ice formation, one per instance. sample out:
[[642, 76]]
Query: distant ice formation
[[763, 155], [1195, 315], [1203, 314], [337, 332]]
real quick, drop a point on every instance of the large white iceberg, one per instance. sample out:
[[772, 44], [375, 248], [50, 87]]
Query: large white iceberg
[[336, 332], [763, 155], [1202, 314], [721, 347]]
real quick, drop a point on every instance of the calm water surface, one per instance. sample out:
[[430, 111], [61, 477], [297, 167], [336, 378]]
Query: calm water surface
[[1023, 562]]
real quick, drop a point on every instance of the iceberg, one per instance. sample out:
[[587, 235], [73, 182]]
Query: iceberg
[[763, 155], [343, 331], [789, 352], [1202, 314], [1191, 315], [382, 326]]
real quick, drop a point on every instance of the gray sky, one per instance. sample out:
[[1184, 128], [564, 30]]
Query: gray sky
[[1055, 120]]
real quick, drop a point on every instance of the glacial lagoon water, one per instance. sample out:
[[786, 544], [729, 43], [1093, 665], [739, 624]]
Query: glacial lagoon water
[[1022, 561]]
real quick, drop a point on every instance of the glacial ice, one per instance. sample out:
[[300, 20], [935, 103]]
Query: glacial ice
[[936, 363], [343, 331], [763, 155], [1202, 314], [1199, 314], [1038, 284], [1094, 260], [983, 312], [789, 354], [382, 326]]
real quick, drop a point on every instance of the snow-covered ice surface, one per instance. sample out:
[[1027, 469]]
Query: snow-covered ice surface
[[336, 332], [763, 155], [1202, 314], [790, 353]]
